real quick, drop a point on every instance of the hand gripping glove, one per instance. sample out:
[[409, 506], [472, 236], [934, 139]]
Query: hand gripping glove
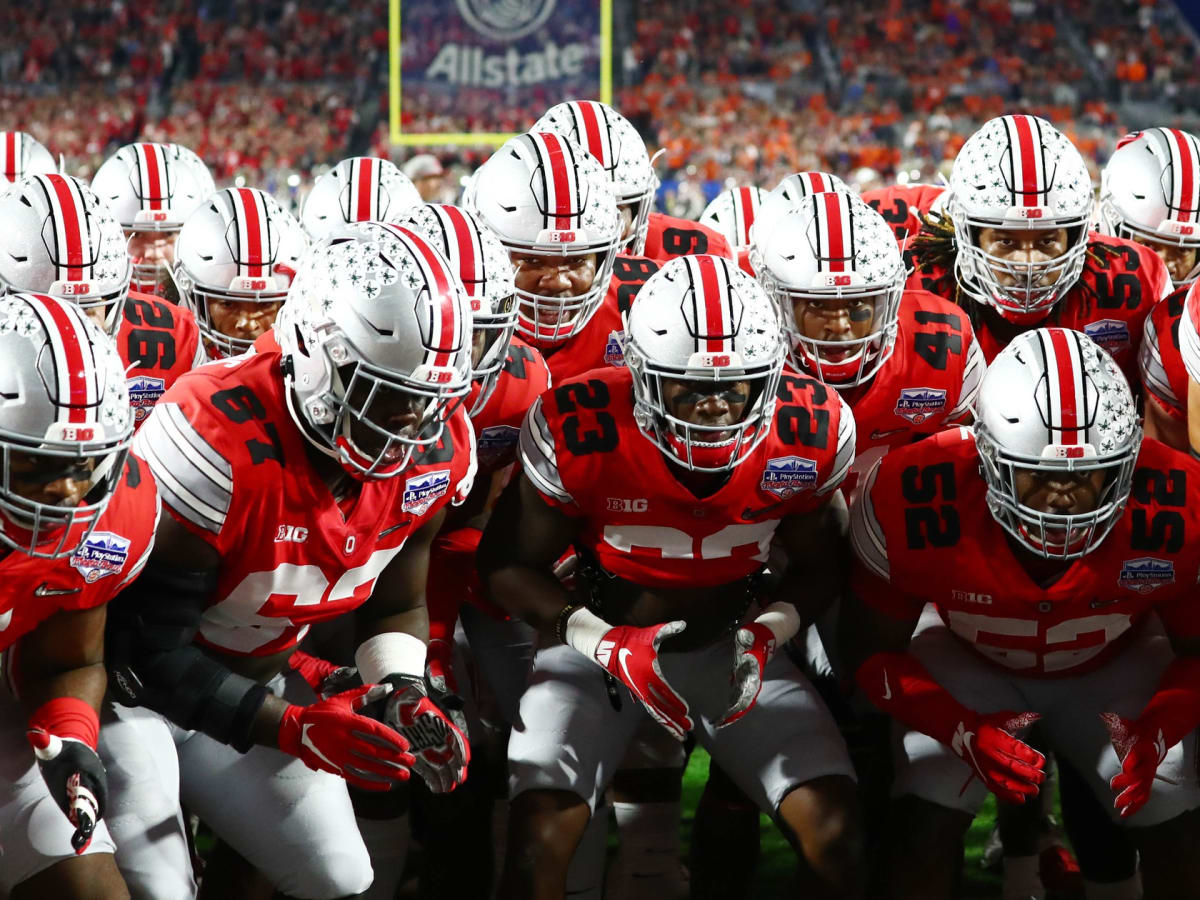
[[324, 677], [440, 748], [1142, 744], [631, 656], [443, 686], [900, 686], [332, 736], [753, 646], [63, 733]]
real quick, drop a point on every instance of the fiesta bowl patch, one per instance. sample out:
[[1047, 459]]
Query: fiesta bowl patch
[[918, 404], [614, 349], [496, 443], [421, 491], [144, 393], [1146, 573], [788, 475], [103, 553], [1111, 334]]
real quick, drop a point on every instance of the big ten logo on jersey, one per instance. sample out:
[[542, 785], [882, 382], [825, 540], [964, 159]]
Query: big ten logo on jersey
[[296, 534], [150, 341], [626, 504], [630, 273], [1115, 282], [930, 519], [960, 596], [587, 426]]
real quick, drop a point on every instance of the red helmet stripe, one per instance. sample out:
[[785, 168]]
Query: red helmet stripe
[[557, 162], [446, 338], [1027, 153], [465, 240], [835, 205], [1185, 200], [364, 193], [715, 318], [1068, 396], [72, 235], [591, 127], [746, 208], [154, 176], [72, 361], [253, 246], [12, 165]]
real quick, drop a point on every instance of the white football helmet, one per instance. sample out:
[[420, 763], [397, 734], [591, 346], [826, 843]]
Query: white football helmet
[[702, 319], [239, 247], [65, 415], [58, 238], [358, 189], [152, 188], [732, 213], [1150, 190], [788, 194], [620, 150], [486, 274], [22, 155], [1053, 401], [1021, 173], [833, 246], [376, 328], [545, 196]]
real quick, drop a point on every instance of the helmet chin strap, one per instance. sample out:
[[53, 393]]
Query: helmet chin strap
[[306, 427]]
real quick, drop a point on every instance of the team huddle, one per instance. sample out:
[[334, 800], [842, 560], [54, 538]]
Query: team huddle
[[473, 520]]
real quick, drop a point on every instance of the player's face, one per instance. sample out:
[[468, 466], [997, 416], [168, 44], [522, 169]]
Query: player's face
[[554, 276], [1060, 494], [708, 403], [1023, 245], [244, 319], [153, 248], [835, 319], [1179, 260], [626, 211], [54, 482], [393, 410]]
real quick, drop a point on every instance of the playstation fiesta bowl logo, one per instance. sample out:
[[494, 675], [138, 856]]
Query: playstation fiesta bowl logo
[[505, 20]]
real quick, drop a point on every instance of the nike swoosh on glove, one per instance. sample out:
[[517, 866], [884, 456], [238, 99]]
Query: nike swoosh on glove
[[631, 656], [332, 736], [1141, 751], [76, 780], [440, 749], [1011, 769]]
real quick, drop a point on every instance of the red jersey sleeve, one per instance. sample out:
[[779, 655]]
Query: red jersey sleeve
[[1164, 375]]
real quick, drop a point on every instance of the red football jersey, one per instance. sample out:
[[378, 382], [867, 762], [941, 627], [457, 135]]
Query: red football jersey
[[928, 383], [668, 237], [602, 341], [1164, 375], [231, 467], [583, 451], [158, 342], [111, 557], [923, 510], [498, 425], [903, 206], [1109, 303]]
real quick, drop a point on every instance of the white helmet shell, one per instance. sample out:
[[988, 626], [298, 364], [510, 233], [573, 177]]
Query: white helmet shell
[[789, 193], [359, 189], [732, 213], [22, 155]]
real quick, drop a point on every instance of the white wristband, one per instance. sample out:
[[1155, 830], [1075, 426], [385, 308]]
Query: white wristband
[[390, 653], [584, 630], [782, 619]]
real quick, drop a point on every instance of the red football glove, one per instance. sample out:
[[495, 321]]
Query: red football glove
[[1141, 745], [900, 686], [631, 656], [440, 749], [753, 646], [324, 677], [439, 665], [331, 736], [63, 733]]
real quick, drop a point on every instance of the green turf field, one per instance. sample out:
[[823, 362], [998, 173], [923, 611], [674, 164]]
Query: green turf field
[[777, 860]]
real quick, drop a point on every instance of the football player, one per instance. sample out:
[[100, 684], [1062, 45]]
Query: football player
[[21, 155], [1189, 348], [77, 518], [358, 189], [671, 478], [61, 239], [1014, 250], [786, 195], [904, 206], [614, 142], [151, 189], [235, 259], [303, 482], [1040, 610], [732, 212]]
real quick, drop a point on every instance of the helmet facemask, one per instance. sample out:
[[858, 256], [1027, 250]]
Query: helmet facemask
[[152, 257], [251, 301], [547, 320], [491, 334]]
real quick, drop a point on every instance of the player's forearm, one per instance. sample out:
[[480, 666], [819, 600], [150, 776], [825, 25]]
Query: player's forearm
[[413, 621], [532, 596], [899, 685], [265, 729], [86, 683]]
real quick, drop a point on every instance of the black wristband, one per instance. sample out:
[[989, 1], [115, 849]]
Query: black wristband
[[560, 624]]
